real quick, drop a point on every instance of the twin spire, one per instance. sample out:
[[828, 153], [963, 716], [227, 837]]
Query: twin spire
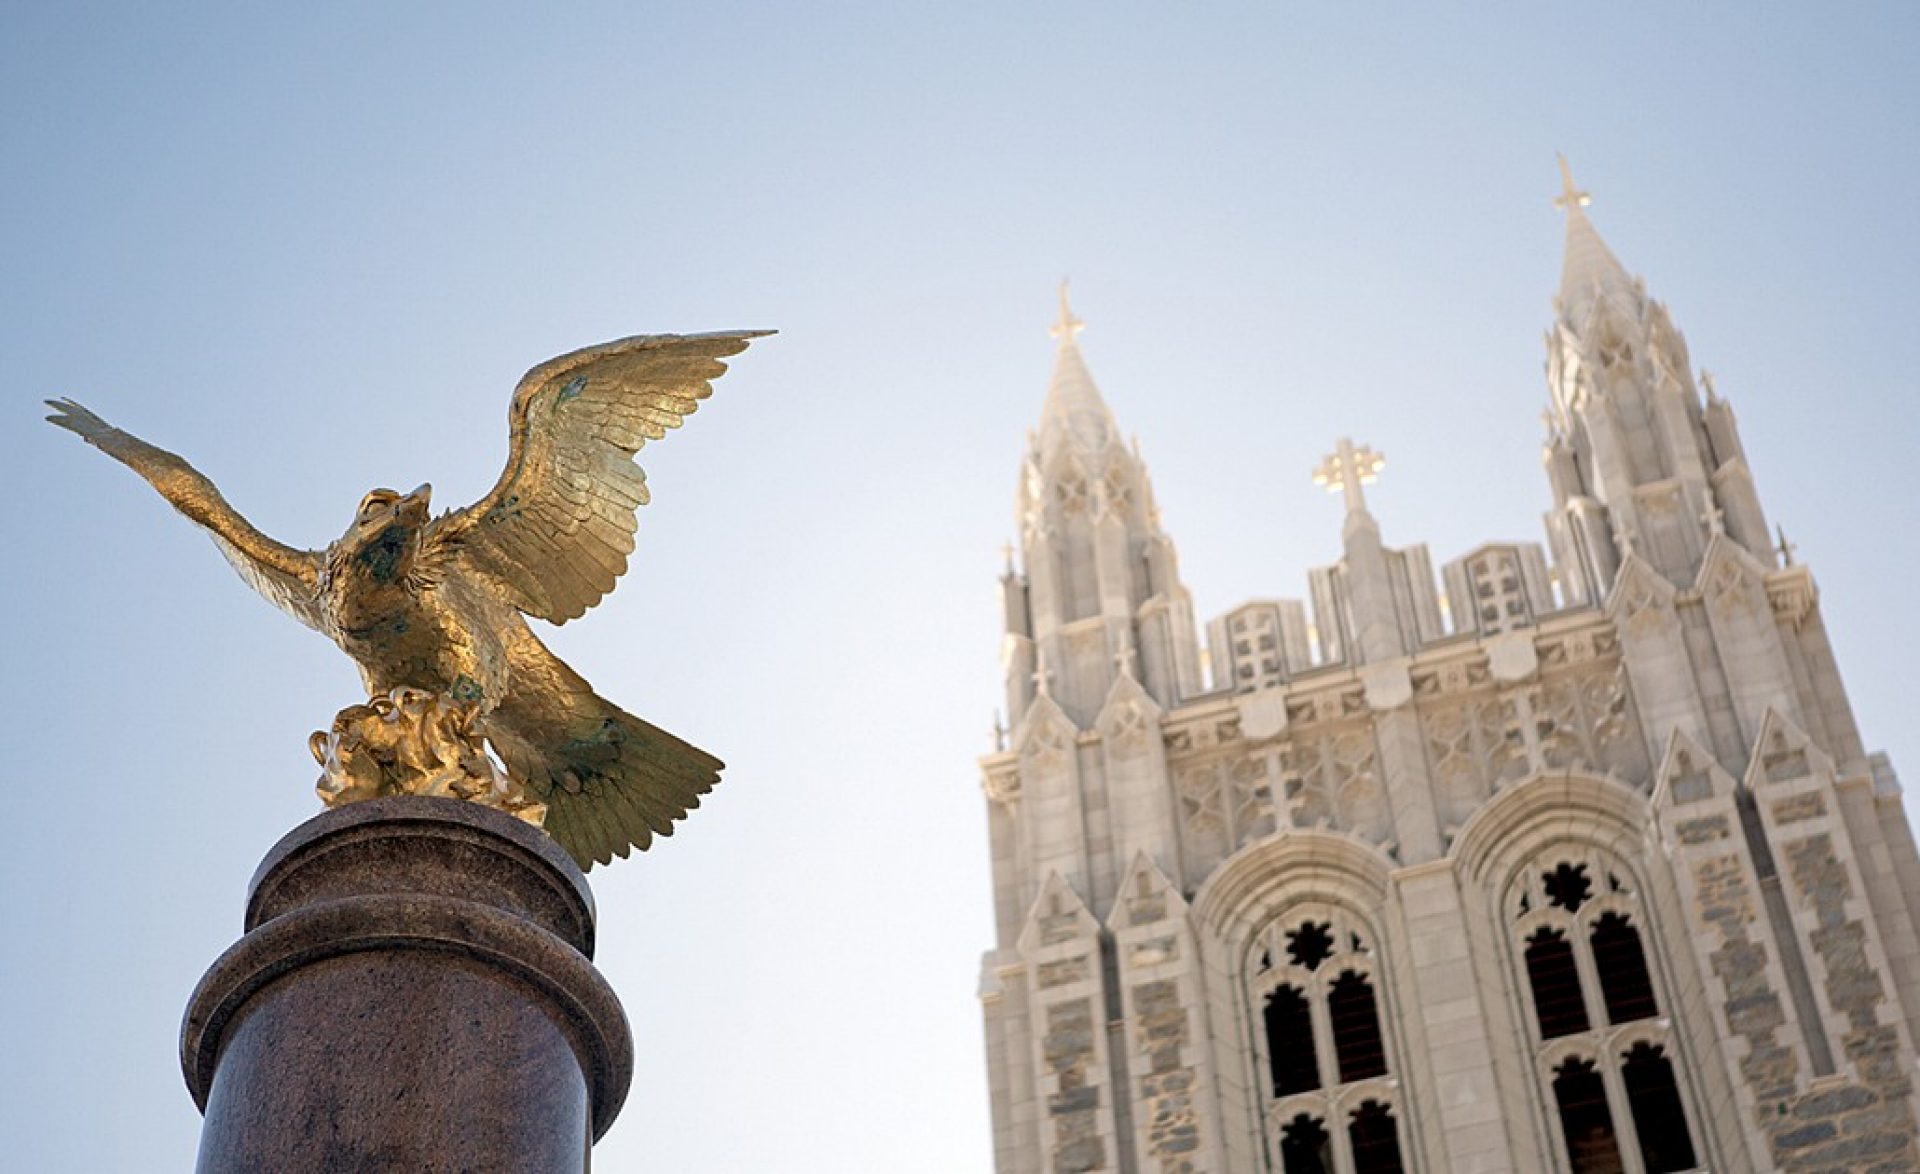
[[1073, 406], [1069, 327], [1589, 270]]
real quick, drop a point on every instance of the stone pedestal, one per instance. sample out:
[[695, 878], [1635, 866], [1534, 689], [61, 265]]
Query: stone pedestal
[[413, 992]]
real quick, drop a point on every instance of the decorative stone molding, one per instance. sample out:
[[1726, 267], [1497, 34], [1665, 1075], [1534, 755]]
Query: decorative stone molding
[[1263, 714], [1542, 809], [1388, 684], [1642, 600], [1001, 784], [1511, 657], [1792, 593]]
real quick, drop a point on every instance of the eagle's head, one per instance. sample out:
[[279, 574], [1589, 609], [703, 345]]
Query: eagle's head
[[384, 538]]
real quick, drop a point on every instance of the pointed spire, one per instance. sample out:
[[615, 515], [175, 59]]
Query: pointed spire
[[1069, 327], [1589, 269], [1073, 404], [1570, 197]]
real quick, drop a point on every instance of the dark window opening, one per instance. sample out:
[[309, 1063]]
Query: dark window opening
[[1585, 1122], [1653, 1097], [1568, 886], [1306, 1147], [1356, 1028], [1556, 985], [1290, 1043], [1376, 1143], [1310, 945], [1622, 967]]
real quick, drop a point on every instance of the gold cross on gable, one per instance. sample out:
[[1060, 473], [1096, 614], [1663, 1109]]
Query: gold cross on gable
[[1347, 469], [1570, 197], [1068, 326]]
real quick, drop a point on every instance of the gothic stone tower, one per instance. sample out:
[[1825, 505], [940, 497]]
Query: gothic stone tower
[[1586, 869]]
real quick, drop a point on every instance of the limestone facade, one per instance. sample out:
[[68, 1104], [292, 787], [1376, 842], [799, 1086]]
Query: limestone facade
[[1579, 864]]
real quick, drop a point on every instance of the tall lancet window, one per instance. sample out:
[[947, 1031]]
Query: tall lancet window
[[1603, 1045], [1332, 1102]]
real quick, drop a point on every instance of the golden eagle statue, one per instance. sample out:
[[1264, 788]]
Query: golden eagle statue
[[428, 605]]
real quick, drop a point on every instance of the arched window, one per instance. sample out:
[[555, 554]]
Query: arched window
[[1306, 1147], [1602, 1048], [1622, 967], [1290, 1053], [1356, 1028], [1314, 980], [1585, 1120], [1558, 1004], [1375, 1140], [1659, 1119]]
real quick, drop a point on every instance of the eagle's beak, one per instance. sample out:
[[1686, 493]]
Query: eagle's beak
[[413, 507]]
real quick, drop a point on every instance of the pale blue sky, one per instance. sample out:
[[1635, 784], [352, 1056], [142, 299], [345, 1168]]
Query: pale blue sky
[[312, 248]]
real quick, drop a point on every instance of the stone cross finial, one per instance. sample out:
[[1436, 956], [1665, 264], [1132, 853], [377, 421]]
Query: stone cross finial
[[1714, 517], [1006, 553], [1347, 469], [1706, 381], [1785, 548], [1042, 675], [1123, 658], [1570, 197], [999, 733], [1068, 327]]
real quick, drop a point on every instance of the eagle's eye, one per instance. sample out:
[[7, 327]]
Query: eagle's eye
[[376, 500]]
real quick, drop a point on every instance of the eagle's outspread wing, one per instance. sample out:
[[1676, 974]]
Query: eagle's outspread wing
[[551, 537], [611, 782], [555, 532], [287, 577]]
